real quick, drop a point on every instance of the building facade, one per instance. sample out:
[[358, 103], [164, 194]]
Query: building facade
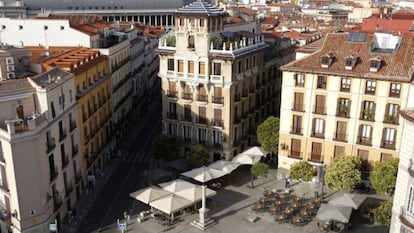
[[346, 99], [40, 167], [402, 220], [215, 92]]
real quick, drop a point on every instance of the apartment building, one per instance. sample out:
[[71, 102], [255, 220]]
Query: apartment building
[[402, 220], [39, 163], [92, 94], [346, 99], [214, 87]]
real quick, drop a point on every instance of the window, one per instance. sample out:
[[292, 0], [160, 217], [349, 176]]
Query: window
[[395, 89], [202, 68], [410, 204], [297, 124], [370, 87], [320, 104], [191, 67], [340, 134], [181, 20], [170, 64], [172, 128], [318, 128], [52, 106], [392, 113], [316, 154], [363, 156], [191, 42], [343, 108], [365, 134], [239, 67], [385, 157], [295, 148], [389, 138], [368, 110], [217, 137], [70, 95], [298, 102], [299, 80], [321, 82], [339, 151], [345, 84], [202, 115], [180, 66], [202, 135], [374, 65], [187, 132], [216, 68], [201, 22]]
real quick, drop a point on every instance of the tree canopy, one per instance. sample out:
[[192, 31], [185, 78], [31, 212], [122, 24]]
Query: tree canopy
[[165, 147], [384, 176], [268, 134], [259, 169], [343, 173], [383, 213], [198, 156], [302, 170]]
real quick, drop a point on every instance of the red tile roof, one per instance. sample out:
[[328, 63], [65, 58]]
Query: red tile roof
[[396, 67], [395, 25]]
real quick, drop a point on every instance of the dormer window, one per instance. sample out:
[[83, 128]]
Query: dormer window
[[375, 64], [327, 60], [350, 62]]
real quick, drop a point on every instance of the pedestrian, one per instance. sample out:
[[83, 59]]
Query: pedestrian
[[286, 182]]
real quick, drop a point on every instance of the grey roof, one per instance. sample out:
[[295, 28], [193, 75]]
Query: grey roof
[[48, 78], [107, 4], [200, 8]]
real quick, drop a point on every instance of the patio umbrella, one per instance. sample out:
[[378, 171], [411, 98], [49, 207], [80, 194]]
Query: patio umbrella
[[203, 174], [250, 156], [149, 194], [224, 165], [195, 193], [176, 185], [328, 212], [171, 203], [351, 200]]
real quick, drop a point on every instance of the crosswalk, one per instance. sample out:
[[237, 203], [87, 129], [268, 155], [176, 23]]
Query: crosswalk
[[134, 157]]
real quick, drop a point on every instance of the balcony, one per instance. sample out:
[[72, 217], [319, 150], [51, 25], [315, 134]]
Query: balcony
[[388, 144], [172, 115], [296, 130], [367, 141], [367, 115], [317, 158], [53, 173], [217, 79], [217, 123], [298, 107], [202, 98], [218, 100], [72, 125], [391, 119], [295, 154], [406, 218], [186, 117], [340, 137], [317, 134], [50, 145], [201, 120], [62, 134], [187, 96], [319, 110], [342, 111], [68, 189], [172, 94]]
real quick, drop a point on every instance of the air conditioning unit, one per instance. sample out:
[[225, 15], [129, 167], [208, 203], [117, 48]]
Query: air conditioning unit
[[9, 61], [11, 75], [10, 68]]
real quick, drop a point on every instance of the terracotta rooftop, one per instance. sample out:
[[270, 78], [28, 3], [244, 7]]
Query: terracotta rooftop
[[395, 66], [89, 24], [311, 47], [247, 11]]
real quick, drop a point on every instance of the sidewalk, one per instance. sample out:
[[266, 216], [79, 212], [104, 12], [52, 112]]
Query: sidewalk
[[88, 198]]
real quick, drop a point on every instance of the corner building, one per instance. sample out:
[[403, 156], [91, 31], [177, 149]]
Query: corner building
[[214, 88]]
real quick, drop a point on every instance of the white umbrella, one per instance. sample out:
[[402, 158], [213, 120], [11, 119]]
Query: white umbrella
[[255, 151], [195, 193], [224, 165], [149, 194], [171, 203], [351, 200], [250, 156], [204, 174], [329, 212], [176, 185]]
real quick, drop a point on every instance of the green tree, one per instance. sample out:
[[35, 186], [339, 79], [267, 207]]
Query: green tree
[[302, 170], [383, 213], [268, 135], [258, 169], [170, 40], [165, 147], [384, 176], [198, 156], [343, 173]]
